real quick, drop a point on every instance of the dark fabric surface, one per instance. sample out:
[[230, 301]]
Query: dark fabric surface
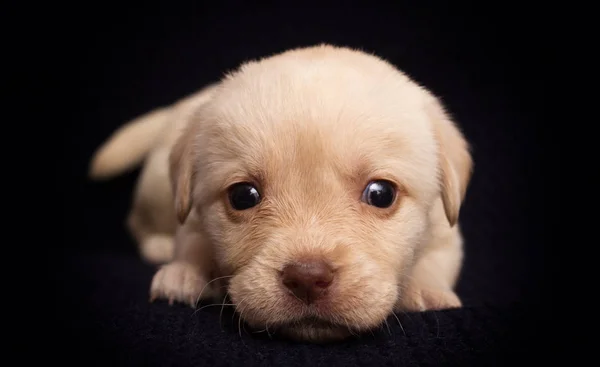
[[118, 326], [481, 62]]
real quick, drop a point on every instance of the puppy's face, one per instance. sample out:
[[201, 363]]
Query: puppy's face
[[313, 176]]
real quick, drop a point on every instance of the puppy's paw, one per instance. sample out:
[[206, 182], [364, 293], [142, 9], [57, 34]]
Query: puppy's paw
[[424, 299], [178, 282], [157, 249]]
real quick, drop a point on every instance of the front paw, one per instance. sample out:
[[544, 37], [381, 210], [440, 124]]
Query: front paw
[[418, 299], [178, 282]]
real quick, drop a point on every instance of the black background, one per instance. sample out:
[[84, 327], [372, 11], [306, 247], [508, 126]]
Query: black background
[[483, 62]]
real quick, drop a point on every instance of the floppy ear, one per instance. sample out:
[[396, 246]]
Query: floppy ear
[[456, 163], [183, 152], [181, 171]]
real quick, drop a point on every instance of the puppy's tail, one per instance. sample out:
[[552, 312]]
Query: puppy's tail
[[128, 145]]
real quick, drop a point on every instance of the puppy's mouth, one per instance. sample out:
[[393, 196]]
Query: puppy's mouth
[[314, 329], [312, 322]]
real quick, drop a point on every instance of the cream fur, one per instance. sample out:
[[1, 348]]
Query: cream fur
[[310, 127]]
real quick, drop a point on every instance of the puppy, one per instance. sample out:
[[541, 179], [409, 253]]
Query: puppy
[[319, 189]]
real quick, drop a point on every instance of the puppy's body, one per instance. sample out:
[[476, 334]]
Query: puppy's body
[[313, 134], [149, 138]]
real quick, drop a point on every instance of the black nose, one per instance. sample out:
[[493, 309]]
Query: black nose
[[307, 280]]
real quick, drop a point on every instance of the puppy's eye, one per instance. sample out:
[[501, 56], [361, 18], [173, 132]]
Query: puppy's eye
[[380, 194], [243, 196]]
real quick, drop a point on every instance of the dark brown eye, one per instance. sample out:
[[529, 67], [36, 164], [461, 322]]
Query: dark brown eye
[[243, 196], [380, 194]]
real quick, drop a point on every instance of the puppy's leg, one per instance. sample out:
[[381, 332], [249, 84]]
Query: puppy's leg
[[430, 285], [157, 248], [186, 278], [151, 220], [154, 247]]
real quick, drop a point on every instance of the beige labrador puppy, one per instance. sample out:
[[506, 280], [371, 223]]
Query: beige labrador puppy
[[319, 189]]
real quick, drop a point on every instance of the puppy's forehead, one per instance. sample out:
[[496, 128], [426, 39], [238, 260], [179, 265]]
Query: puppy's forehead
[[289, 114]]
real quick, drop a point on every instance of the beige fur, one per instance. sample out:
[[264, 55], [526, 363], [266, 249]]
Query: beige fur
[[148, 139], [310, 128]]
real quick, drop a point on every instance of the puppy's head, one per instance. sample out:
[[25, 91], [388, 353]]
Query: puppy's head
[[312, 173]]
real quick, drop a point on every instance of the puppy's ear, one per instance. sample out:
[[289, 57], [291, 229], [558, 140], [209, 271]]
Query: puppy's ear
[[183, 152], [456, 163], [181, 170]]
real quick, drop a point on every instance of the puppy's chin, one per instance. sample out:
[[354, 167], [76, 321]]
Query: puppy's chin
[[314, 330], [307, 329]]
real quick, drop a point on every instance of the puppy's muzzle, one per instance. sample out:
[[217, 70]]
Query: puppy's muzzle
[[308, 280]]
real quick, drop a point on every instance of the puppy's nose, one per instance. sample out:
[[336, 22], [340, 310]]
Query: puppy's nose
[[307, 280]]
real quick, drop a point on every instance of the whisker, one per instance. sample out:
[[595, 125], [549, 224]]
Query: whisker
[[214, 304], [388, 326], [240, 324], [437, 320], [206, 285], [267, 328], [293, 294], [399, 323], [240, 310], [406, 314], [221, 313], [237, 308]]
